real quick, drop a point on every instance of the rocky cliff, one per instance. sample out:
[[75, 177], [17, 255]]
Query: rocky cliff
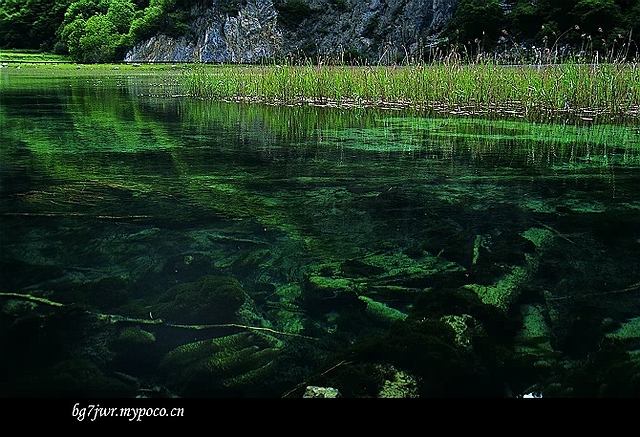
[[382, 31]]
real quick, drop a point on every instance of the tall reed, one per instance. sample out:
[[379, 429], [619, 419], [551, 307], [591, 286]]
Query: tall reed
[[610, 90]]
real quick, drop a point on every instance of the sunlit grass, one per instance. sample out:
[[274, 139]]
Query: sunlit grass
[[8, 56]]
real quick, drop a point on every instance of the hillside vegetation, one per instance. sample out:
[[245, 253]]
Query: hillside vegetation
[[104, 30]]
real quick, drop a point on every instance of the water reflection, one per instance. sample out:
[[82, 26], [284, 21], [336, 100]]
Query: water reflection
[[223, 249]]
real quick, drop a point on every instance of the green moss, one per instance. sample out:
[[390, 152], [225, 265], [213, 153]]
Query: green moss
[[504, 292], [334, 285], [221, 365], [133, 335], [400, 385], [629, 329], [82, 378], [18, 308], [382, 312], [539, 237], [534, 338], [535, 325], [464, 326], [187, 353], [253, 376], [629, 332], [211, 299]]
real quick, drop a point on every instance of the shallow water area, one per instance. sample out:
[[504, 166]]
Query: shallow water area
[[162, 246]]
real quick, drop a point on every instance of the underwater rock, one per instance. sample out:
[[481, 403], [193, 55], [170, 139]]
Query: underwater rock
[[283, 309], [382, 312], [210, 299], [463, 305], [389, 276], [505, 291], [465, 327], [81, 378], [399, 384], [321, 392], [184, 268], [533, 341], [222, 366], [629, 333], [133, 335], [106, 294], [428, 350]]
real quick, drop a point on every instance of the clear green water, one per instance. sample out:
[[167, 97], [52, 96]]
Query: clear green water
[[251, 251]]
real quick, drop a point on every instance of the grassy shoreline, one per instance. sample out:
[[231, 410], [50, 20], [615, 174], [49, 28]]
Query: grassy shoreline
[[586, 92], [32, 56], [605, 92]]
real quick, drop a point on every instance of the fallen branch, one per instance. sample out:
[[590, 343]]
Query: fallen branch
[[114, 318], [555, 231], [305, 383], [33, 299], [77, 214], [634, 287], [235, 325]]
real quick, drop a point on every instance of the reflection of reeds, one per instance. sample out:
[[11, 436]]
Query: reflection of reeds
[[587, 91], [375, 130]]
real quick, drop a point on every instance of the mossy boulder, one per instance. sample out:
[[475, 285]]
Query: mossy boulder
[[228, 366], [209, 300], [134, 336], [77, 378]]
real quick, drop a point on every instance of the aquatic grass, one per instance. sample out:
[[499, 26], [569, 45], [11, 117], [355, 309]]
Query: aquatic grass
[[585, 91]]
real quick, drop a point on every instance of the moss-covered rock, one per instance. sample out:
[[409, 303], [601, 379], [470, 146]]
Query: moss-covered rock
[[209, 300], [629, 333], [465, 327], [134, 336], [222, 366], [283, 308], [79, 378], [533, 341], [505, 291], [399, 384], [381, 312]]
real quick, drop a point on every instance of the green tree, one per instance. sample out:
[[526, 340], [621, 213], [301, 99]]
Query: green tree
[[477, 20], [98, 30], [593, 15], [121, 13], [633, 17], [71, 35], [99, 41], [30, 24], [524, 21]]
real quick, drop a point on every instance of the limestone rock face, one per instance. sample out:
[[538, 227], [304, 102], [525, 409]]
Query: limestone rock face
[[250, 35], [384, 31]]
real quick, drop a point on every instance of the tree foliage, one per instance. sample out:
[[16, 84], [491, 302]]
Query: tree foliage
[[103, 30], [477, 20], [30, 24], [97, 30], [573, 22]]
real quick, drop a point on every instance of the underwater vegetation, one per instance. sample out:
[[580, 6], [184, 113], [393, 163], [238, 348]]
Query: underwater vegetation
[[210, 299], [163, 247]]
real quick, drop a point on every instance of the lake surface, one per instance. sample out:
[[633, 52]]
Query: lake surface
[[162, 246]]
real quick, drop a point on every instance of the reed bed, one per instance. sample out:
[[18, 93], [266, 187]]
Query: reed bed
[[585, 91]]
